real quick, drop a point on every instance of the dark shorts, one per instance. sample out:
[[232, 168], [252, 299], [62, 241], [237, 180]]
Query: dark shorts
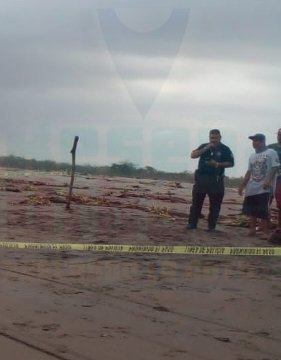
[[257, 206]]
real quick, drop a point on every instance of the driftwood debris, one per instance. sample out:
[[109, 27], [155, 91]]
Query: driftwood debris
[[73, 153]]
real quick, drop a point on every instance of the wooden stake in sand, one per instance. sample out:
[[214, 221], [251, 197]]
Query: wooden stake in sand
[[73, 152]]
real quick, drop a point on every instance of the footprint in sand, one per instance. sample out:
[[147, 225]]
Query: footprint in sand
[[50, 327]]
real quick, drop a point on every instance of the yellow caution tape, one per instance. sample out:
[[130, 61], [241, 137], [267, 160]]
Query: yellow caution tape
[[148, 249]]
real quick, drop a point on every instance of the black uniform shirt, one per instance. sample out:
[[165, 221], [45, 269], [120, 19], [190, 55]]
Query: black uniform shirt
[[220, 153]]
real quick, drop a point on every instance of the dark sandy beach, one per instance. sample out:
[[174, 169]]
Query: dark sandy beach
[[73, 305]]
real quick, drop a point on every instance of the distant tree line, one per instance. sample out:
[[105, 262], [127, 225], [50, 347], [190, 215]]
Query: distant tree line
[[122, 169]]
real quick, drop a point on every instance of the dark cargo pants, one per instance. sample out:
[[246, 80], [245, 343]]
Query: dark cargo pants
[[210, 185]]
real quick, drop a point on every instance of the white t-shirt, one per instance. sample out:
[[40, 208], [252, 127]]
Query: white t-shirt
[[260, 166]]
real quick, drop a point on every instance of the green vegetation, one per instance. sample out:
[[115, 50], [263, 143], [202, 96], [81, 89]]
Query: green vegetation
[[125, 169]]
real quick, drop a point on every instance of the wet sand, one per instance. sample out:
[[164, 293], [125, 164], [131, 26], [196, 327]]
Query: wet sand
[[115, 306]]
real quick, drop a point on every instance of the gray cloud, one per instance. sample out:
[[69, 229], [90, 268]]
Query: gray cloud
[[58, 77]]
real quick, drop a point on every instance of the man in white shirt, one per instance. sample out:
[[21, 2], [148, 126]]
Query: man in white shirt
[[259, 182]]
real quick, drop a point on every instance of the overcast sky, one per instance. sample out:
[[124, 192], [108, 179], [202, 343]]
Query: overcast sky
[[141, 81]]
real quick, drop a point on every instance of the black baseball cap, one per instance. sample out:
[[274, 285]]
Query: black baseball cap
[[258, 136]]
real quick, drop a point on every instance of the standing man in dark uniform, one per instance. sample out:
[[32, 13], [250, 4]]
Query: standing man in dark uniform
[[214, 157]]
